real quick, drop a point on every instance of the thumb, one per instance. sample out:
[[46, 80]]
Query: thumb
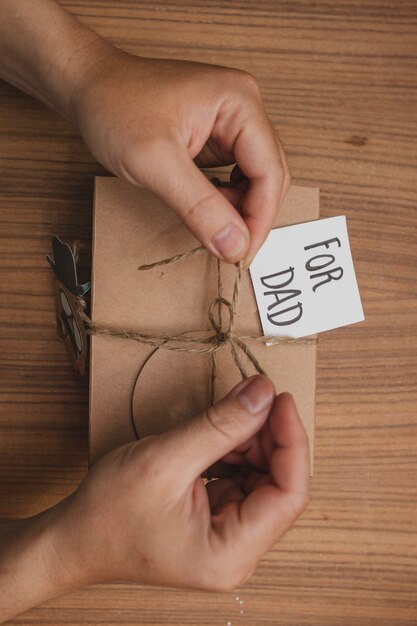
[[168, 170], [192, 447]]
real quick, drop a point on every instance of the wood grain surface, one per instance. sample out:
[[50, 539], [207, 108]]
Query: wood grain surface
[[339, 82]]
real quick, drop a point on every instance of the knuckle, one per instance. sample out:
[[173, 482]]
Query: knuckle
[[133, 163], [223, 423], [129, 461], [148, 470], [300, 441], [250, 82], [143, 153], [147, 461], [299, 502], [198, 213], [245, 81], [152, 145]]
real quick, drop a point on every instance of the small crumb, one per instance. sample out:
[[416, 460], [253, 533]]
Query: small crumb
[[237, 598], [241, 612], [240, 601], [229, 624]]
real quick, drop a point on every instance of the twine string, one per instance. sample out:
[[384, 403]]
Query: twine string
[[172, 259], [198, 341]]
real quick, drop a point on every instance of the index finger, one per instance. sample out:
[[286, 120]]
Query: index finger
[[272, 509], [262, 160], [259, 521]]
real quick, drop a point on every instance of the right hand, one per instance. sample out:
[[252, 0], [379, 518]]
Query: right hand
[[144, 514]]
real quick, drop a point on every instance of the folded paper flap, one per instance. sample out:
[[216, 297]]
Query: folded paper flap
[[133, 227]]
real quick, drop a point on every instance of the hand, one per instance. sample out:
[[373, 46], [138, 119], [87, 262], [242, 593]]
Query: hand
[[144, 514], [147, 119]]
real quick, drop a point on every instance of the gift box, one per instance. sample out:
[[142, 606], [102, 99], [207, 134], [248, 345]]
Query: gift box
[[138, 389]]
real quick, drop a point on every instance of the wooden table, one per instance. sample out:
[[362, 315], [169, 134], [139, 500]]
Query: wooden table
[[339, 82]]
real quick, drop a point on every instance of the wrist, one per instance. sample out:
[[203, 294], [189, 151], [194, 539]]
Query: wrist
[[44, 50], [85, 69], [88, 51], [34, 563]]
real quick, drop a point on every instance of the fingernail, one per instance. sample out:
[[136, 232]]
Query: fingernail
[[257, 395], [229, 242]]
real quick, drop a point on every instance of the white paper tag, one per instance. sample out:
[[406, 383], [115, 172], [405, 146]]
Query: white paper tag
[[304, 279]]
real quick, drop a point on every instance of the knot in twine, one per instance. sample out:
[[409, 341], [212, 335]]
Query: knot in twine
[[197, 341], [221, 336]]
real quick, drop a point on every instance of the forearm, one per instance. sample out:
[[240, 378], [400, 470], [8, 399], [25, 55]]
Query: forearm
[[34, 564], [44, 51]]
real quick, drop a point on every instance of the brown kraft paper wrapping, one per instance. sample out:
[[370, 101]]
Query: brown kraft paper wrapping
[[157, 388]]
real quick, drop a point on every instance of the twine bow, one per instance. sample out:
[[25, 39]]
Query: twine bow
[[198, 341]]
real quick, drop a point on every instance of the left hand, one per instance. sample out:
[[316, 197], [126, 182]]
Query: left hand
[[146, 120]]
